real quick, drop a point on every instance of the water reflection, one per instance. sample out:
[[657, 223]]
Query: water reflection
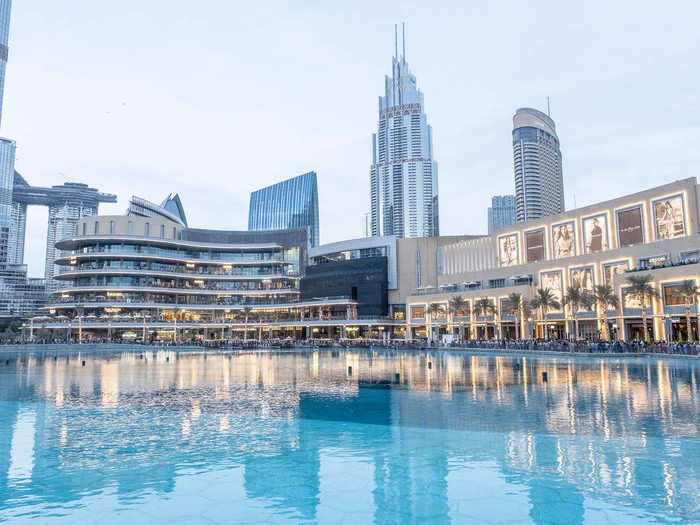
[[398, 436]]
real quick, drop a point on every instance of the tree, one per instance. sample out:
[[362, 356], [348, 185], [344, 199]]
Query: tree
[[689, 292], [514, 306], [605, 297], [436, 311], [483, 308], [577, 298], [543, 302], [641, 287], [458, 305]]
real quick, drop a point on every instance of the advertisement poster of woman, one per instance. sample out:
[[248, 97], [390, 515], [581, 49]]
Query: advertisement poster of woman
[[564, 240], [595, 233], [668, 215], [508, 250]]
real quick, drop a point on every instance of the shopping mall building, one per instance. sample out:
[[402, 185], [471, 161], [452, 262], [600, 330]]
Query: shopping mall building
[[652, 232], [153, 277]]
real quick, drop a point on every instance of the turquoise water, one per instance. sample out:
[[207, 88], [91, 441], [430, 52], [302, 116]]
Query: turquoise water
[[346, 437]]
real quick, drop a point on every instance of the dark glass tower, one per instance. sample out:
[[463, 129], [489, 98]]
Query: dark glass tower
[[292, 203]]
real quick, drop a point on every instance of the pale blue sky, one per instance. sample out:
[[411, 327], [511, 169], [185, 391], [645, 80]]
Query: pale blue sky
[[214, 99]]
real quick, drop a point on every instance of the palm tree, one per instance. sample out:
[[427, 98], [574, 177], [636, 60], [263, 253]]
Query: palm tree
[[514, 306], [458, 305], [689, 292], [436, 310], [544, 301], [577, 298], [605, 297], [484, 307], [247, 310], [641, 287]]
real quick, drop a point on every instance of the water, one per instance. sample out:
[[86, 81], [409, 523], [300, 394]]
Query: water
[[299, 436]]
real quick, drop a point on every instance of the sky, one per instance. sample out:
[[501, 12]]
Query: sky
[[214, 99]]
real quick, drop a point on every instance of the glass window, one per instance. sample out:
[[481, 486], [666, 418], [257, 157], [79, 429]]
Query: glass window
[[671, 297], [147, 229], [85, 228], [417, 312], [97, 227], [162, 231], [174, 232], [111, 227], [130, 227]]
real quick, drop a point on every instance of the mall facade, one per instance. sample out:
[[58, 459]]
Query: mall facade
[[154, 278], [148, 278], [652, 232]]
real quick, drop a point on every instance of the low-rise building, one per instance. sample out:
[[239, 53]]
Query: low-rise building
[[150, 277], [651, 232]]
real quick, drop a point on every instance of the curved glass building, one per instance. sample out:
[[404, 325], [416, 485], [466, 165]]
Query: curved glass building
[[149, 277], [292, 203], [539, 181]]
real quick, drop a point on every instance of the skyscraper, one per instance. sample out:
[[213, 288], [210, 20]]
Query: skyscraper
[[403, 175], [539, 182], [5, 7], [292, 203], [501, 212]]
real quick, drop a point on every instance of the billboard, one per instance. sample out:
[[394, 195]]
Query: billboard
[[612, 269], [583, 277], [564, 240], [595, 233], [534, 245], [629, 226], [668, 217], [554, 281], [630, 300], [508, 250]]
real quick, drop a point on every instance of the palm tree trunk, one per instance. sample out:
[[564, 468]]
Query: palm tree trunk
[[687, 323], [575, 325], [605, 325]]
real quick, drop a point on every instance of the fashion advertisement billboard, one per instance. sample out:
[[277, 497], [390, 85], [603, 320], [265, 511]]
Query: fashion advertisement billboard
[[668, 217], [508, 250], [534, 245], [630, 229], [595, 233], [554, 282], [564, 240]]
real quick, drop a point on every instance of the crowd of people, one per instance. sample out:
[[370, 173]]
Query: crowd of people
[[528, 345], [587, 347]]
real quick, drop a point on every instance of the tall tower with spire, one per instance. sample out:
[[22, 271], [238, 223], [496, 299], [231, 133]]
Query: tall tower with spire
[[403, 175]]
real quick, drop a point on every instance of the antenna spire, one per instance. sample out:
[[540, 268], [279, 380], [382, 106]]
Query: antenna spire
[[548, 106], [396, 42], [403, 41]]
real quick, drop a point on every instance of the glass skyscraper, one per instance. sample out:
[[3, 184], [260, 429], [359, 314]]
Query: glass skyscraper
[[5, 7], [403, 175], [539, 182], [292, 203], [501, 212]]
